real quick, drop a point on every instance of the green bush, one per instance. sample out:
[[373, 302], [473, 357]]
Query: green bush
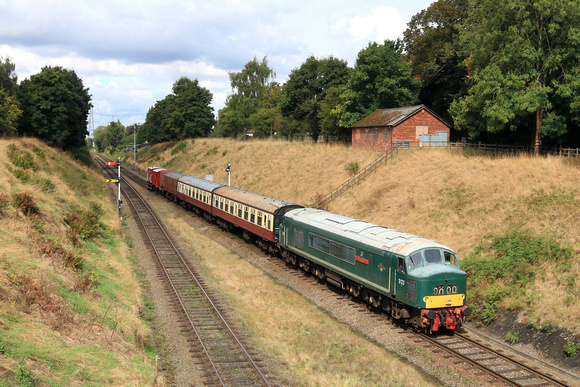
[[571, 349], [352, 168], [21, 158], [512, 260], [512, 337], [23, 376], [84, 224]]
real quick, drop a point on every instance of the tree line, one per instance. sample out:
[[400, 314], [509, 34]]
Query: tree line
[[500, 72]]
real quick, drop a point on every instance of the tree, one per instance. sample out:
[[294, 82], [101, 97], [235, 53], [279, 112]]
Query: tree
[[8, 77], [332, 109], [432, 46], [189, 111], [185, 113], [250, 90], [153, 130], [307, 86], [55, 107], [381, 79], [523, 68], [9, 114]]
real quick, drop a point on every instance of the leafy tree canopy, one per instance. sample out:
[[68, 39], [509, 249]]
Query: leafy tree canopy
[[432, 46], [55, 107], [381, 79], [307, 87], [251, 91], [523, 68], [8, 77], [110, 135], [9, 114], [189, 111], [185, 113]]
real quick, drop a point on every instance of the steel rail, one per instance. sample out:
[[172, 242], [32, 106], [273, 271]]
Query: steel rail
[[482, 367], [194, 277], [509, 359]]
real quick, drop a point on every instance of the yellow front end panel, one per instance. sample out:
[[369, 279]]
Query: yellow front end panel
[[447, 301]]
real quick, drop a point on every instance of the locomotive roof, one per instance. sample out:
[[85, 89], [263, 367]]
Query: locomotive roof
[[380, 237], [261, 202], [200, 183]]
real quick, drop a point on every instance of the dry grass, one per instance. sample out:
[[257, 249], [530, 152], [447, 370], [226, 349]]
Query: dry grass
[[64, 331], [290, 171], [456, 198]]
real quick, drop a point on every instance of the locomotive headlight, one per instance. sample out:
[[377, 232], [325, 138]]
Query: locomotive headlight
[[451, 289]]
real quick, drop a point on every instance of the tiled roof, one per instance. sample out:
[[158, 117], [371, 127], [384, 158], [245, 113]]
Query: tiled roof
[[392, 117]]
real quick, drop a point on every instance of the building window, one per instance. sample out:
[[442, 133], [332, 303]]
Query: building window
[[419, 130], [386, 134], [376, 134], [366, 134]]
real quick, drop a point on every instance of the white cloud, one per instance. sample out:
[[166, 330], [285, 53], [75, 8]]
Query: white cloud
[[130, 53]]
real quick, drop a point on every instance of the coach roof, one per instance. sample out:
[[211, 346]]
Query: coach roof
[[261, 202], [200, 183]]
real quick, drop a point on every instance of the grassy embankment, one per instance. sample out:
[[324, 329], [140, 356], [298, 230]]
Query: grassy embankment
[[515, 221], [70, 302]]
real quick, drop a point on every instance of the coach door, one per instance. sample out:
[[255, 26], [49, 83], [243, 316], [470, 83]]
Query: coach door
[[400, 279]]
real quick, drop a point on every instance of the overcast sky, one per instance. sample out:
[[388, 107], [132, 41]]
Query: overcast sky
[[129, 53]]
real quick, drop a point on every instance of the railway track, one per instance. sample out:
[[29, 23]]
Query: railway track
[[491, 364], [502, 369], [214, 344]]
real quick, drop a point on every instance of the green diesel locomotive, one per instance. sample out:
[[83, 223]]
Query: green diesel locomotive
[[410, 277]]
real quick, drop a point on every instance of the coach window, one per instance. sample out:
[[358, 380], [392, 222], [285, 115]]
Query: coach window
[[260, 219], [252, 218], [246, 213]]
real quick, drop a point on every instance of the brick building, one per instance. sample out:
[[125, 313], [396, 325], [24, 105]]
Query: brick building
[[400, 127]]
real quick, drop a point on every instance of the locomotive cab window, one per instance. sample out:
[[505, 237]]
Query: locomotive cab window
[[450, 258], [433, 256], [401, 265], [416, 259]]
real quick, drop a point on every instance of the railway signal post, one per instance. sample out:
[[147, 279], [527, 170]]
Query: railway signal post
[[229, 171], [118, 181]]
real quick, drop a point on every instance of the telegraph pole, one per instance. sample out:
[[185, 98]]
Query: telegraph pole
[[134, 147]]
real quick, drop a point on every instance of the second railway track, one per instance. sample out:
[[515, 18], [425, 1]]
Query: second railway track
[[214, 343]]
